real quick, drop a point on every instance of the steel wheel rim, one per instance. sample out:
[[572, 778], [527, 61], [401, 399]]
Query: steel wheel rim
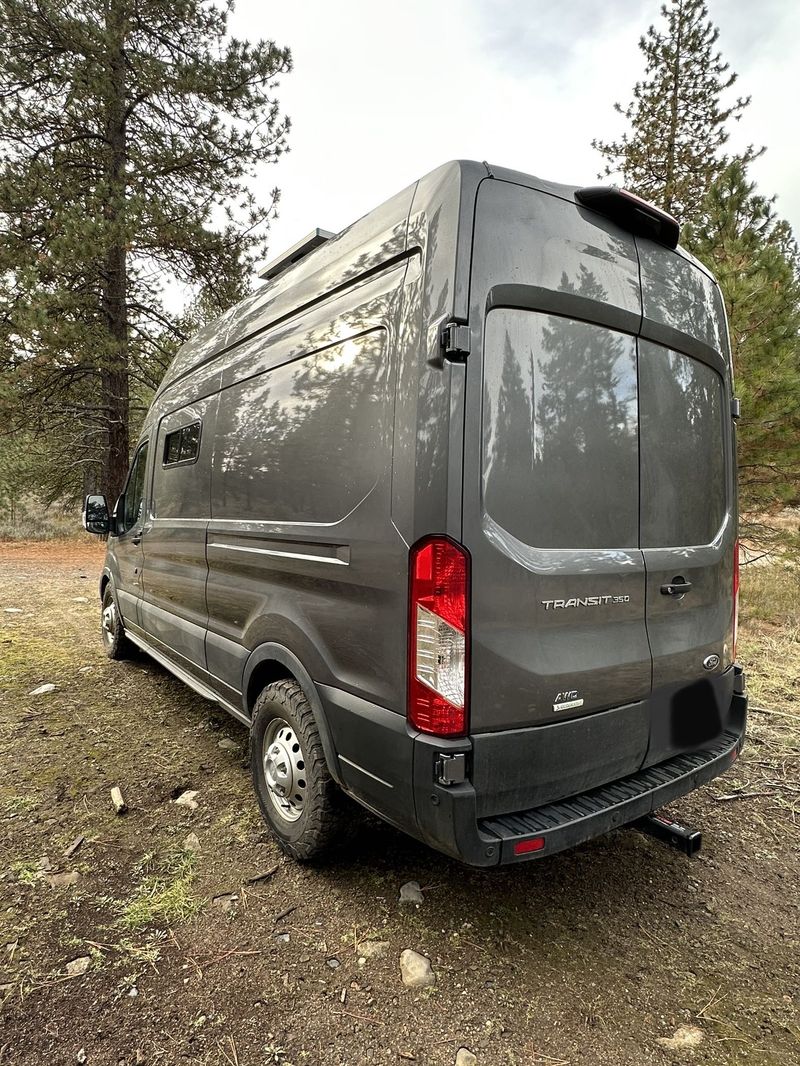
[[109, 622], [284, 769]]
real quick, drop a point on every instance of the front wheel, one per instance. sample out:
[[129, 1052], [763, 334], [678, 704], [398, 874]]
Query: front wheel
[[295, 791], [112, 629]]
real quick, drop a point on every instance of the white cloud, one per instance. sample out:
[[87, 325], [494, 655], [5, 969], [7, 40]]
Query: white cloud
[[382, 93]]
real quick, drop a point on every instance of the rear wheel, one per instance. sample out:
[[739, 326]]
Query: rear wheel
[[295, 791], [115, 643]]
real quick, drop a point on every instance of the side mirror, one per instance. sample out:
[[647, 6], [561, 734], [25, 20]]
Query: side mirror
[[96, 518]]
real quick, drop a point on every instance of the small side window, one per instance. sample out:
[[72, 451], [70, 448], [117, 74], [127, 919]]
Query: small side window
[[182, 445], [172, 447], [190, 442]]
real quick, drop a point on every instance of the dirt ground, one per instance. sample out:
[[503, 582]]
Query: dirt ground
[[229, 954]]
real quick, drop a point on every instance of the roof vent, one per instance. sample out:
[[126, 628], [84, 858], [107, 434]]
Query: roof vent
[[294, 254], [632, 213]]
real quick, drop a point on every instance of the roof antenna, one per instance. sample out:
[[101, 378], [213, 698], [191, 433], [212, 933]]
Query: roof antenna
[[488, 169]]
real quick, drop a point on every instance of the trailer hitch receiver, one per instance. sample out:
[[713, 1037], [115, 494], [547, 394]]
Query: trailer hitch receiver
[[677, 836]]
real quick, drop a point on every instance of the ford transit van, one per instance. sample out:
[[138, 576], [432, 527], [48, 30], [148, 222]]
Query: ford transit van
[[445, 514]]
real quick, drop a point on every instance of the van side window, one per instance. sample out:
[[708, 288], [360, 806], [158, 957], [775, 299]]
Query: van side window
[[134, 492], [182, 445]]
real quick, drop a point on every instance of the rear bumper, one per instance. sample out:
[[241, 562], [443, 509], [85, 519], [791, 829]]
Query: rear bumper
[[446, 816]]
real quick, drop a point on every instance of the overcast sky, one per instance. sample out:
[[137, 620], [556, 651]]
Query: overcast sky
[[382, 92]]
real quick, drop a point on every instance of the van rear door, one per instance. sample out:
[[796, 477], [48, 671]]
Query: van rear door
[[598, 470], [551, 479], [688, 499]]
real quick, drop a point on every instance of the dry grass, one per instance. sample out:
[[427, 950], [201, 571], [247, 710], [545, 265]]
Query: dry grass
[[769, 635], [30, 519]]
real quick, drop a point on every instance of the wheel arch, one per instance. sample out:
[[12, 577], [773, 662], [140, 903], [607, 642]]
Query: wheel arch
[[273, 662]]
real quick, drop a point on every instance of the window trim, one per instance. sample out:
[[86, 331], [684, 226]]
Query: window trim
[[167, 465]]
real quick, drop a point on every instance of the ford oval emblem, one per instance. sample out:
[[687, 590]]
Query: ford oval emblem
[[711, 662]]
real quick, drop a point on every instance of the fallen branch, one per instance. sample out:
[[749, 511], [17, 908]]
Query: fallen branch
[[262, 877], [778, 714], [284, 914], [120, 806], [741, 796], [70, 850]]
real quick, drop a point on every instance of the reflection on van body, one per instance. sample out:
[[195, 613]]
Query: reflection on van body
[[445, 514]]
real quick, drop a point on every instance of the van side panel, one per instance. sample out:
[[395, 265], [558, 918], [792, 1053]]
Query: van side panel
[[301, 548]]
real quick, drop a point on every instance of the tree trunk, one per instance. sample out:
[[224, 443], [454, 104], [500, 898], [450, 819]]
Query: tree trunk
[[114, 376]]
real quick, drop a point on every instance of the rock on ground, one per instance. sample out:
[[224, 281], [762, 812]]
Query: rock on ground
[[191, 842], [42, 690], [188, 799], [373, 949], [464, 1057], [415, 970], [688, 1036], [410, 892], [63, 880], [226, 901], [78, 967]]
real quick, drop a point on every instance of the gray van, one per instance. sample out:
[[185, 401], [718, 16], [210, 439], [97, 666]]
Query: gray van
[[445, 514]]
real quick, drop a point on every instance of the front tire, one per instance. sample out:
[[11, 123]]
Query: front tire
[[115, 643], [296, 793]]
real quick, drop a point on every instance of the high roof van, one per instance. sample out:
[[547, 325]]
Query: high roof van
[[445, 514]]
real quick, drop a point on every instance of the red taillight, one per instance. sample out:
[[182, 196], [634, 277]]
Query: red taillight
[[524, 847], [735, 596], [438, 637]]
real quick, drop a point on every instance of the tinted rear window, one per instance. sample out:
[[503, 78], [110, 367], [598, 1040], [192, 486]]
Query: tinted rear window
[[560, 450], [683, 450]]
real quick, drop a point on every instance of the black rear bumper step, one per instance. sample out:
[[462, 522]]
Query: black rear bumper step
[[579, 818]]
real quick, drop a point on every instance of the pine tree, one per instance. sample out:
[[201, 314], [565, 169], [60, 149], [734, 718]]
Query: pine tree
[[129, 134], [673, 149], [755, 259]]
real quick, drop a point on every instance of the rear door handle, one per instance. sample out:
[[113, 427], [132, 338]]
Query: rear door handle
[[138, 540], [677, 588]]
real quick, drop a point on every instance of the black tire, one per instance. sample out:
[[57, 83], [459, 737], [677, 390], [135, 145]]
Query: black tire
[[112, 630], [305, 821]]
